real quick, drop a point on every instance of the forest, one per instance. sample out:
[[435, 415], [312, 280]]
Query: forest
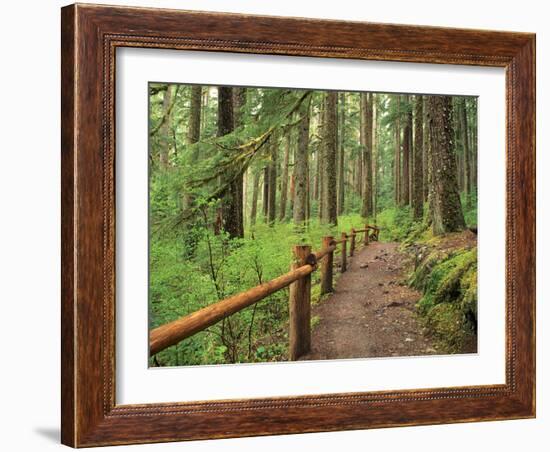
[[239, 175]]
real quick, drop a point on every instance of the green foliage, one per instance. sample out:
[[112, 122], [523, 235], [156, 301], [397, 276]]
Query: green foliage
[[469, 208], [183, 281], [395, 223]]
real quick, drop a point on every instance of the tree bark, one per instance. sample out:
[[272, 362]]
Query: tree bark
[[301, 168], [330, 145], [315, 164], [239, 100], [397, 153], [265, 192], [193, 133], [272, 188], [322, 161], [375, 156], [405, 181], [231, 203], [418, 178], [255, 190], [425, 151], [447, 211], [205, 102], [194, 130], [366, 111], [473, 134], [341, 152], [165, 128], [284, 177], [466, 148]]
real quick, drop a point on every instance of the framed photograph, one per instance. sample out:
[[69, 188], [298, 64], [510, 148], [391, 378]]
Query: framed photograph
[[280, 225]]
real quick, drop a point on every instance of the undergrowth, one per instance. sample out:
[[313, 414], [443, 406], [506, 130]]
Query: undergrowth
[[192, 268]]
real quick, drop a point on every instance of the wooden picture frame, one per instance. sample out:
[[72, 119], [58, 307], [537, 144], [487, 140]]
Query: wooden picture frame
[[90, 36]]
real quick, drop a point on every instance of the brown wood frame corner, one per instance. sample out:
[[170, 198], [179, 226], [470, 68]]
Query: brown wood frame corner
[[90, 36]]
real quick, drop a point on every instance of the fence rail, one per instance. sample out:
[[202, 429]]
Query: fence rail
[[298, 278]]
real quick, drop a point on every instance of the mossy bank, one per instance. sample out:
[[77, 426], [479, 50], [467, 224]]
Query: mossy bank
[[445, 271]]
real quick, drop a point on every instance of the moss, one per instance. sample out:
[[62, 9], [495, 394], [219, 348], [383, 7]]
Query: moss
[[447, 326], [450, 286], [314, 321], [469, 291], [448, 307], [423, 273]]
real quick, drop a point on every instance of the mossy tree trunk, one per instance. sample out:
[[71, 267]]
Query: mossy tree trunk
[[341, 152], [301, 168], [194, 130], [330, 146], [167, 103], [366, 134], [405, 180], [447, 213], [284, 177], [466, 147], [272, 187], [254, 202], [418, 177], [397, 154], [231, 219]]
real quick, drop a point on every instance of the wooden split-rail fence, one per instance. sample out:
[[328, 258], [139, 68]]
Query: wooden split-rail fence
[[299, 280]]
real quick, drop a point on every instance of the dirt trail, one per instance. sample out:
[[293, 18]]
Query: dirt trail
[[371, 313]]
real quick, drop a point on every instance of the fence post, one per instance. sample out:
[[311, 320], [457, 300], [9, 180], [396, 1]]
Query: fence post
[[366, 240], [326, 266], [352, 242], [344, 252], [300, 307]]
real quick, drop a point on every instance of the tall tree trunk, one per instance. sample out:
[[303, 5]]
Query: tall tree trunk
[[231, 204], [362, 149], [425, 151], [405, 198], [317, 175], [466, 148], [165, 128], [205, 101], [447, 211], [194, 130], [284, 177], [292, 191], [457, 129], [366, 111], [239, 100], [418, 178], [254, 204], [397, 155], [330, 145], [272, 189], [322, 204], [473, 135], [244, 199], [265, 193], [341, 152], [308, 191], [375, 155], [301, 168]]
